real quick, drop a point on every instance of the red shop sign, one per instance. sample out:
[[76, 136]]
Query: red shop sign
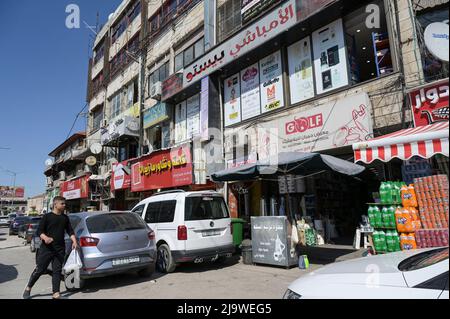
[[121, 175], [163, 169], [430, 103], [78, 188]]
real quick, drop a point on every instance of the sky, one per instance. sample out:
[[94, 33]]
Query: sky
[[43, 75]]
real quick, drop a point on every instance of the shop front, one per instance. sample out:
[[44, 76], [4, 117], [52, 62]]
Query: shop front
[[120, 185], [76, 193]]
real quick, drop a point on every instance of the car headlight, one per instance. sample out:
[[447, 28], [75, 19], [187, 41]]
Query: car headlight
[[289, 294]]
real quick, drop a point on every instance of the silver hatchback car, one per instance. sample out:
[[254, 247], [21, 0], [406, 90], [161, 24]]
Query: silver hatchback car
[[111, 243]]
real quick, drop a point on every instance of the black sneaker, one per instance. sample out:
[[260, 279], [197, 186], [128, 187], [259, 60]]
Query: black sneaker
[[26, 294]]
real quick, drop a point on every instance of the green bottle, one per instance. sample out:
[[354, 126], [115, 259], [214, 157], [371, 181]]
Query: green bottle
[[371, 214], [392, 223], [383, 192], [378, 218], [385, 217], [388, 193], [396, 240], [390, 241], [375, 239], [382, 239]]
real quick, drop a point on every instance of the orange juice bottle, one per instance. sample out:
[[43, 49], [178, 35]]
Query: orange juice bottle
[[405, 195], [412, 241], [408, 220], [412, 192], [399, 220], [404, 241]]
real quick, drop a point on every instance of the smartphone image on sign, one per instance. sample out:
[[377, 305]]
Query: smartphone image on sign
[[327, 83], [333, 56]]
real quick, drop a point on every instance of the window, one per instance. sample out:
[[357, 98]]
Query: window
[[127, 151], [99, 53], [97, 117], [159, 74], [132, 93], [167, 211], [190, 54], [115, 106], [229, 19], [437, 283], [424, 259], [97, 83], [126, 20], [115, 222], [138, 210], [205, 207], [151, 214], [124, 56], [368, 49]]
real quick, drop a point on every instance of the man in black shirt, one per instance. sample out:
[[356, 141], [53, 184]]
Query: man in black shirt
[[51, 230]]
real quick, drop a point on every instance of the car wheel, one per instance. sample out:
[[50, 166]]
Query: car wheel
[[148, 271], [165, 262]]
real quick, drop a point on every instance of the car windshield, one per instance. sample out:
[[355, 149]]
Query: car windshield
[[424, 259], [116, 222], [205, 207]]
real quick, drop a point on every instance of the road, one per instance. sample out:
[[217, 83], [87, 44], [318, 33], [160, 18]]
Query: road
[[232, 280]]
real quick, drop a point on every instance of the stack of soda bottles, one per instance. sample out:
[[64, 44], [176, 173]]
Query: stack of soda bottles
[[432, 195], [407, 218]]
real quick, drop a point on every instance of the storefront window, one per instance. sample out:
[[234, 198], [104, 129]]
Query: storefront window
[[97, 118], [433, 68], [368, 48], [229, 19]]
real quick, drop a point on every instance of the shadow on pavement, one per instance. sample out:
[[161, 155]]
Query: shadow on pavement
[[7, 273], [207, 266]]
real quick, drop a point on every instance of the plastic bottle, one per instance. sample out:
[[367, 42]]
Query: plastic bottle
[[411, 191], [391, 210], [382, 236], [399, 220], [383, 192], [378, 217], [404, 242], [375, 239], [385, 217], [395, 192], [389, 241], [396, 240], [371, 215], [405, 196], [412, 240], [408, 220], [388, 193]]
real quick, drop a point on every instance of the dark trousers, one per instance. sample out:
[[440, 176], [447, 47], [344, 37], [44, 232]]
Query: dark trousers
[[47, 255]]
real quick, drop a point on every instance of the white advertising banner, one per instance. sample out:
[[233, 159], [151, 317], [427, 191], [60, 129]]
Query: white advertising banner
[[301, 71], [336, 124], [73, 194], [193, 115], [251, 37], [330, 58], [232, 95], [180, 122], [250, 98], [271, 82]]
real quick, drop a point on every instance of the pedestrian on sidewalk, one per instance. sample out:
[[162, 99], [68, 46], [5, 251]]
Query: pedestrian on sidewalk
[[51, 231]]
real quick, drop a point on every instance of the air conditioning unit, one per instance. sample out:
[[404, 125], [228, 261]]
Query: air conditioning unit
[[62, 176], [155, 90]]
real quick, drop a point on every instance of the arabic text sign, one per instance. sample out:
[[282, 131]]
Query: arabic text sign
[[329, 126], [12, 192], [155, 114], [120, 176], [256, 34], [430, 104], [164, 169], [78, 188]]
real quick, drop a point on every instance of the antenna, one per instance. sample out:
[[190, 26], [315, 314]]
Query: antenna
[[96, 24]]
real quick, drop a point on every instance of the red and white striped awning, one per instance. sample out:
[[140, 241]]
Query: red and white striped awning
[[423, 141]]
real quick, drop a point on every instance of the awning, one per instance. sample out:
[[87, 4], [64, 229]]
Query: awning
[[295, 163], [423, 141]]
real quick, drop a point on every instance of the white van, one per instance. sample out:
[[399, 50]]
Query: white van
[[189, 227]]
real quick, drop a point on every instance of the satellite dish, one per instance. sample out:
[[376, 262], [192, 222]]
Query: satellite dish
[[49, 162], [91, 160], [436, 40], [96, 148]]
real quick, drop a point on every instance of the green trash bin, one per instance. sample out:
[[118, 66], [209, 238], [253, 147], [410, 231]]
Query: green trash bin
[[238, 230]]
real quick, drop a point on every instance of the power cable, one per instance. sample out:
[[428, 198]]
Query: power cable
[[75, 120]]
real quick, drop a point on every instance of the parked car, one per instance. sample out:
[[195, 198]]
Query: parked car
[[17, 223], [4, 221], [418, 274], [11, 217], [27, 230], [189, 227], [110, 243]]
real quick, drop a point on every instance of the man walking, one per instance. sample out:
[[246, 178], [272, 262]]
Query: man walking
[[51, 230]]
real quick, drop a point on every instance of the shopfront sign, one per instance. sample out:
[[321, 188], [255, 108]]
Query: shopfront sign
[[250, 97], [75, 189], [155, 115], [232, 95], [301, 71], [336, 124], [271, 82], [261, 31], [330, 58], [163, 169], [121, 175], [12, 192], [252, 8], [430, 103], [172, 85], [125, 126]]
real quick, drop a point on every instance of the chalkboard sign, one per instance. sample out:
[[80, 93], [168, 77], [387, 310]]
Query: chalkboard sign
[[271, 241]]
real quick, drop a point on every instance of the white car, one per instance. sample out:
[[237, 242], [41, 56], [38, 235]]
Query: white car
[[189, 227], [4, 220], [414, 274]]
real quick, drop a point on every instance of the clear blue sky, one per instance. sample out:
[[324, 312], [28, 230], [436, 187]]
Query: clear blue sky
[[43, 72]]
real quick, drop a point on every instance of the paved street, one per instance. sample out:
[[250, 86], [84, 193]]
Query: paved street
[[229, 281]]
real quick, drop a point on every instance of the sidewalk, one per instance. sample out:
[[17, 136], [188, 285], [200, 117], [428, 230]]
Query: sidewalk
[[7, 241]]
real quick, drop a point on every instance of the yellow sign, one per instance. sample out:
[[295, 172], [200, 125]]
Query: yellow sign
[[162, 165]]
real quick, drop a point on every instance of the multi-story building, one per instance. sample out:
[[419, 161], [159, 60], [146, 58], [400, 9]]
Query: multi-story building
[[36, 204]]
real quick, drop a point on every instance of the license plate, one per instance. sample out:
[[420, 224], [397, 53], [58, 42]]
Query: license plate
[[125, 261], [209, 233]]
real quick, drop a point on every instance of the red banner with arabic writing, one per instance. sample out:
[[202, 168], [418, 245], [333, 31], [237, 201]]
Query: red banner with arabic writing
[[430, 103], [163, 169], [78, 188]]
